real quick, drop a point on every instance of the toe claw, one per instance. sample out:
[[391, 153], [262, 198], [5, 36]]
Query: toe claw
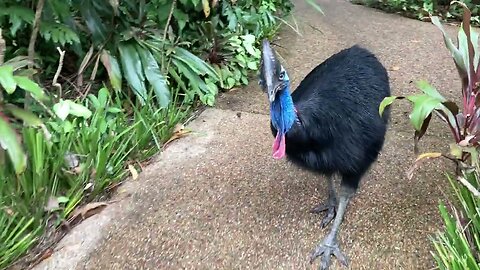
[[319, 208], [340, 257], [328, 217], [325, 263], [327, 248]]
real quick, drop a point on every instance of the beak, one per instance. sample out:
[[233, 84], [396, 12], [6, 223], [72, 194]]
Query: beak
[[269, 63]]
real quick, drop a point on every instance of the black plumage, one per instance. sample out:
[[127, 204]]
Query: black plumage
[[337, 128], [340, 130]]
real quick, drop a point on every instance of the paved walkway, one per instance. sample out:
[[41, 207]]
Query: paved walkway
[[217, 200]]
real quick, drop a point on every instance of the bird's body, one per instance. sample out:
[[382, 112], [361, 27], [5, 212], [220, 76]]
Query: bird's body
[[338, 127], [330, 125]]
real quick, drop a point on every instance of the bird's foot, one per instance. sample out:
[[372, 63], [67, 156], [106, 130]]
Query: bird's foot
[[328, 247], [329, 206]]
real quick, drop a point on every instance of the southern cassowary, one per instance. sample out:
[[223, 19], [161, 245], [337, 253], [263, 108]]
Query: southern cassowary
[[330, 125]]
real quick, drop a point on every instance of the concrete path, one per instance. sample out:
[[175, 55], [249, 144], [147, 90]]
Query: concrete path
[[217, 200]]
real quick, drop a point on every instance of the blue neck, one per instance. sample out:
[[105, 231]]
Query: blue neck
[[282, 111]]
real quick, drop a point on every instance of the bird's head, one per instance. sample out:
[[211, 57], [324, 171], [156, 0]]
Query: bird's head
[[273, 77], [274, 81]]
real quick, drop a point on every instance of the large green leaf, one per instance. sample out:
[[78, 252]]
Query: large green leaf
[[430, 90], [94, 22], [132, 69], [113, 69], [58, 33], [9, 142], [154, 76], [197, 64], [7, 80], [196, 82], [66, 107], [30, 86], [423, 105], [27, 117], [17, 15]]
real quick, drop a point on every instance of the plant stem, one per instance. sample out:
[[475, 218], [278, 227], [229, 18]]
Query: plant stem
[[2, 48], [2, 57], [59, 69], [469, 186], [174, 3], [33, 39]]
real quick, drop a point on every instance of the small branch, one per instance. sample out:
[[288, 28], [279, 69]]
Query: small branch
[[2, 57], [167, 24], [59, 69], [172, 9], [31, 45], [3, 47], [33, 37], [469, 186], [92, 77]]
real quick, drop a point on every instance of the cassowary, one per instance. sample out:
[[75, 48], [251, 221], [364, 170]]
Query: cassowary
[[330, 125]]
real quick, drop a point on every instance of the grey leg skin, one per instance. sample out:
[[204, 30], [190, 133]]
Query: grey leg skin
[[329, 245], [329, 205]]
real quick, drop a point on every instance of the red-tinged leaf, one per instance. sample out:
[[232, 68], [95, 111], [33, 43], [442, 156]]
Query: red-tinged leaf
[[452, 106], [467, 30], [456, 54], [465, 142], [420, 159]]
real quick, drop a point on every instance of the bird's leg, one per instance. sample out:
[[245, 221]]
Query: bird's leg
[[329, 246], [329, 205]]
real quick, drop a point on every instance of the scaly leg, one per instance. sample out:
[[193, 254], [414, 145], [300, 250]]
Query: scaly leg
[[329, 245], [329, 205]]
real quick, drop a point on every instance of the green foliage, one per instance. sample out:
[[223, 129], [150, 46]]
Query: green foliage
[[140, 43], [9, 83], [420, 9], [87, 151], [464, 123], [459, 245]]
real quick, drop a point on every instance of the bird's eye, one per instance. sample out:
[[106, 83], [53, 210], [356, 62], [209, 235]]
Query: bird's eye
[[281, 76]]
